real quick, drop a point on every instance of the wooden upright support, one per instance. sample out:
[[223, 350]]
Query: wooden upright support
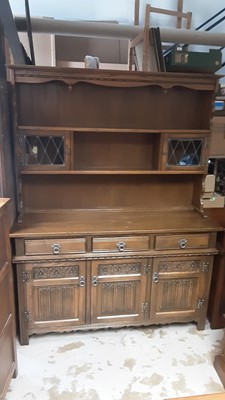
[[11, 32], [179, 9], [136, 12], [145, 38]]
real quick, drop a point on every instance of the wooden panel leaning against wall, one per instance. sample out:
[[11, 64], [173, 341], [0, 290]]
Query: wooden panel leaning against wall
[[7, 158], [7, 320], [216, 307], [8, 355]]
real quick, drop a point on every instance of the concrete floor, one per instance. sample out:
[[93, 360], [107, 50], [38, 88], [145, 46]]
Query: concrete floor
[[150, 363]]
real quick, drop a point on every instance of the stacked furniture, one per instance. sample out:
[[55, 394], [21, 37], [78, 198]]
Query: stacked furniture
[[110, 169], [216, 306], [7, 316], [219, 363]]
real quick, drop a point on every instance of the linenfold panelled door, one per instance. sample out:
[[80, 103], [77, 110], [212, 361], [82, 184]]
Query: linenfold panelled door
[[55, 294], [118, 291]]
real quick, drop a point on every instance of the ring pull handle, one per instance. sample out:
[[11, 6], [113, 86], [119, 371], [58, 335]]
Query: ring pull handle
[[94, 280], [82, 281], [56, 248], [155, 277], [182, 243], [121, 246]]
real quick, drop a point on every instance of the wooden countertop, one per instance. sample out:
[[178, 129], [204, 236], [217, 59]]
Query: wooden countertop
[[92, 222]]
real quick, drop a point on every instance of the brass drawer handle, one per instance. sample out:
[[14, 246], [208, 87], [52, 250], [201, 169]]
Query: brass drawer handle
[[182, 243], [121, 246], [56, 248]]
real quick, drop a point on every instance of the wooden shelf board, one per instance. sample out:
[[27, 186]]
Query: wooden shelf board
[[111, 130], [111, 172]]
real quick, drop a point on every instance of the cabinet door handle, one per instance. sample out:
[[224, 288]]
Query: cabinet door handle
[[121, 246], [82, 281], [182, 243], [155, 277], [94, 280], [56, 248]]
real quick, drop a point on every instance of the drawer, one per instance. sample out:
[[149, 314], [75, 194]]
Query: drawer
[[120, 244], [177, 242], [54, 246]]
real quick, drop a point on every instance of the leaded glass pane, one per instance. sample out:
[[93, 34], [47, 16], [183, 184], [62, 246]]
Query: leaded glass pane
[[184, 152], [44, 150]]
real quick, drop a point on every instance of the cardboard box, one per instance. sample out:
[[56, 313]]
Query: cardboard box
[[216, 201], [210, 183], [208, 195]]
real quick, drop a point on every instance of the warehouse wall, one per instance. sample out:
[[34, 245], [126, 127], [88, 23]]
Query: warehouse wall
[[50, 50], [119, 10]]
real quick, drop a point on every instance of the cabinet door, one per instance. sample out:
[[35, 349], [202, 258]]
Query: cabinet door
[[118, 291], [55, 296], [44, 150], [180, 289], [185, 152]]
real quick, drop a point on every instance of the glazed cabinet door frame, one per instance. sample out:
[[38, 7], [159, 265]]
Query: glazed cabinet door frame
[[193, 145], [43, 149]]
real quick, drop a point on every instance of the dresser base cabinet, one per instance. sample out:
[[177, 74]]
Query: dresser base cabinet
[[8, 358], [128, 279]]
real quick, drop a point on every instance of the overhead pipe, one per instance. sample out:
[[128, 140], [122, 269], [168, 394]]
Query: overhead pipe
[[116, 31]]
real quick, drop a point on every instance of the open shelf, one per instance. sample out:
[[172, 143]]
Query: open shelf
[[105, 129], [124, 172], [112, 151]]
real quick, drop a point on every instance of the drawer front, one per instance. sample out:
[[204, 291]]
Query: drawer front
[[120, 244], [181, 242], [54, 246]]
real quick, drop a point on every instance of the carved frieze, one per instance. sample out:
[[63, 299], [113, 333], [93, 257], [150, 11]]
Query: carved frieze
[[177, 282], [119, 285], [179, 266], [55, 272], [119, 269], [45, 289]]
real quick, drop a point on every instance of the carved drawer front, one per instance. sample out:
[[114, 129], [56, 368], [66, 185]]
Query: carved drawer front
[[55, 246], [121, 244], [182, 242]]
